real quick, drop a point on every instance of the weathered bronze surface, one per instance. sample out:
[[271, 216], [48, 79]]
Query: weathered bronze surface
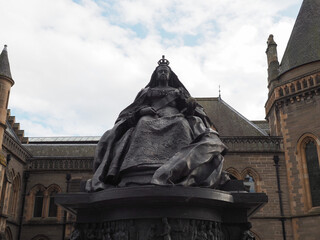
[[164, 137]]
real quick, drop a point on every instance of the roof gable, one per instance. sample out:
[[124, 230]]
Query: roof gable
[[227, 120]]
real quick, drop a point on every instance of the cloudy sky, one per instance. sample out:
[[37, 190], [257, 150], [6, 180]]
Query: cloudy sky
[[77, 64]]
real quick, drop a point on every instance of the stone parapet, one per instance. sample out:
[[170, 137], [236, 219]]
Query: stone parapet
[[254, 144], [60, 163]]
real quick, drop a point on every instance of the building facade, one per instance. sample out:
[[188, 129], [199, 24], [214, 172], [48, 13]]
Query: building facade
[[279, 156]]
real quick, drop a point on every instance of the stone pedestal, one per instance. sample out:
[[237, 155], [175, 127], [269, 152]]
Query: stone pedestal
[[153, 212]]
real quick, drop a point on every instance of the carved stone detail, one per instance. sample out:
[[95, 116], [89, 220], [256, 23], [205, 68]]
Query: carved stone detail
[[253, 144], [151, 229], [60, 164], [299, 89], [15, 147]]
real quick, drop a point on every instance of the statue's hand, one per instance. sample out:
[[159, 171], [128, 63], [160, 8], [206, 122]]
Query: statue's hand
[[147, 111]]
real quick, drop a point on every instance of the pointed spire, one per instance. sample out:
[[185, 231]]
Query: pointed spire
[[272, 57], [4, 63], [304, 43]]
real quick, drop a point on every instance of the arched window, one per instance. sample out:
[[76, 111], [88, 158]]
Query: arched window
[[305, 84], [308, 153], [313, 166], [281, 92], [311, 83], [298, 86], [53, 208], [15, 195], [40, 237], [249, 183], [318, 79], [286, 89], [38, 204], [42, 200], [233, 173], [8, 234], [251, 180]]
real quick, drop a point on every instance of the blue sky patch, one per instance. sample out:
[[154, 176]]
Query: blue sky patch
[[140, 30], [291, 11], [191, 40]]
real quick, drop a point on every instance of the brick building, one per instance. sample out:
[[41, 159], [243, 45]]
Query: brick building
[[282, 152]]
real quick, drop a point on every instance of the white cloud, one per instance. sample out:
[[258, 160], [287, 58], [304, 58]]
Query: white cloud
[[76, 66]]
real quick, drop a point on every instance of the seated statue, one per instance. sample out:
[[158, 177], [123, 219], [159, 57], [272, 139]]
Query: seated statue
[[164, 137]]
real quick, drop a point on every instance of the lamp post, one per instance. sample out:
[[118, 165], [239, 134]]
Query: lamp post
[[282, 219]]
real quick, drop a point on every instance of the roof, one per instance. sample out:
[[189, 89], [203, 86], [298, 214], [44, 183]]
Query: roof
[[227, 120], [304, 43], [4, 63], [11, 131], [57, 140], [262, 124]]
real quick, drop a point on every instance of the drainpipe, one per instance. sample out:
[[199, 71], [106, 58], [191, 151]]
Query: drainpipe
[[68, 177], [282, 219], [26, 177]]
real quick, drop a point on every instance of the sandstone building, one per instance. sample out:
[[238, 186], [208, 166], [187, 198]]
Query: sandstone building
[[279, 156]]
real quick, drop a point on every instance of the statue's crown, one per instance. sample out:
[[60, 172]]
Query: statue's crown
[[163, 61]]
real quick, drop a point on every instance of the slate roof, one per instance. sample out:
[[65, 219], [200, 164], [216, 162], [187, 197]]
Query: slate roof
[[4, 63], [227, 120], [11, 131], [262, 124], [304, 43], [57, 140]]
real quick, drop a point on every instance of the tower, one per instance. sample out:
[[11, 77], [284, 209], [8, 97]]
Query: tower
[[6, 82], [293, 112]]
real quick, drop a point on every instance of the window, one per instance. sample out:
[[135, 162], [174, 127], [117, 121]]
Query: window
[[251, 180], [42, 200], [250, 177], [38, 203], [298, 85], [305, 84], [15, 195], [318, 78], [286, 89], [308, 150], [281, 92], [233, 173], [311, 83], [8, 234], [311, 155], [53, 208], [40, 237], [249, 183]]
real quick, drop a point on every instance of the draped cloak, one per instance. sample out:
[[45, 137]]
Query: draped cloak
[[178, 148]]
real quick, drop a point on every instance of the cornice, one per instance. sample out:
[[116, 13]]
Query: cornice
[[292, 91], [15, 148]]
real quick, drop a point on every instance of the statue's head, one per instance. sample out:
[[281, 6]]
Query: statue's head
[[164, 72]]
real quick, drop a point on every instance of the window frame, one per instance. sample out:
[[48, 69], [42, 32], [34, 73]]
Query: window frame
[[303, 140], [45, 204]]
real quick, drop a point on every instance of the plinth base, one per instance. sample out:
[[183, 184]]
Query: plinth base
[[153, 212]]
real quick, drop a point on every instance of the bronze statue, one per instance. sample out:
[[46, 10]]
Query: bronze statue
[[164, 137]]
